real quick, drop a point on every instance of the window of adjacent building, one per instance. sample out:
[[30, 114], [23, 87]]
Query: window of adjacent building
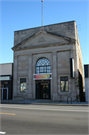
[[1, 85], [43, 66], [23, 84], [4, 84], [64, 84]]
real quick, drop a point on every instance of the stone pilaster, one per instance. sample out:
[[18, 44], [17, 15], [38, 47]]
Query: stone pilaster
[[30, 76], [54, 75], [15, 78], [33, 72], [72, 84]]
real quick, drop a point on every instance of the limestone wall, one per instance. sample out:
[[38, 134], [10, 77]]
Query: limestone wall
[[80, 58], [25, 63], [58, 54], [66, 29]]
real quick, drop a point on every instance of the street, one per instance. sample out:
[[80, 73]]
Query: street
[[43, 119]]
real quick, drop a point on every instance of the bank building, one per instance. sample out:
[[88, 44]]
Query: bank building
[[47, 62]]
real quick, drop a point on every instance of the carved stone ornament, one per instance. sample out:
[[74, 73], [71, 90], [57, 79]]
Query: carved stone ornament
[[23, 65], [63, 62], [41, 39]]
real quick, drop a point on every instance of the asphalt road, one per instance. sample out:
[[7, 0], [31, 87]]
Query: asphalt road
[[43, 119]]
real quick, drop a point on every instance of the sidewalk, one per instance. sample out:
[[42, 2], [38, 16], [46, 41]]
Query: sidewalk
[[44, 102]]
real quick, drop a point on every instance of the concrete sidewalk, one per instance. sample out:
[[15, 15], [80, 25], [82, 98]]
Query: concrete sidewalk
[[44, 102]]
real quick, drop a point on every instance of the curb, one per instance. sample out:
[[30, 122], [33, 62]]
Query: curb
[[54, 104], [60, 104]]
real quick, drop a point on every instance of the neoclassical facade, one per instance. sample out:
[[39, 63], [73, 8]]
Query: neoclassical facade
[[46, 62]]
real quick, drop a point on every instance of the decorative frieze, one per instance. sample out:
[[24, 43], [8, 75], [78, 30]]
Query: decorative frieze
[[63, 62], [23, 65]]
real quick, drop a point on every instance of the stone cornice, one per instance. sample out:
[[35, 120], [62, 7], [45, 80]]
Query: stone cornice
[[40, 46], [17, 47]]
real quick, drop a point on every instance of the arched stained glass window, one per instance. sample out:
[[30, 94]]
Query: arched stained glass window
[[43, 66]]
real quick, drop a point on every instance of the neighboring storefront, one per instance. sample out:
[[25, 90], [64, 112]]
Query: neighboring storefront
[[46, 62], [86, 71], [6, 81]]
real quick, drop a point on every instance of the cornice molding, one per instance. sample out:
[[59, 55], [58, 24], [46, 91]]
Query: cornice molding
[[40, 46], [68, 39]]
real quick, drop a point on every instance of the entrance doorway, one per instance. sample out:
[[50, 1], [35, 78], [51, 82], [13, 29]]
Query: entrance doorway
[[43, 89], [4, 93]]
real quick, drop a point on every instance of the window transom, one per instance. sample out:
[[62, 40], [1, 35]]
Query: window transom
[[43, 66]]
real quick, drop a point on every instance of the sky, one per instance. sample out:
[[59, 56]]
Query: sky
[[23, 14]]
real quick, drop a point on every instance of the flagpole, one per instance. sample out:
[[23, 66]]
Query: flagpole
[[42, 10]]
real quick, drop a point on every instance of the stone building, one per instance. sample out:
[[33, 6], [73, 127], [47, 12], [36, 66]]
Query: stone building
[[47, 60]]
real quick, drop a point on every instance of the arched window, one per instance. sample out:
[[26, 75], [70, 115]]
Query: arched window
[[43, 66]]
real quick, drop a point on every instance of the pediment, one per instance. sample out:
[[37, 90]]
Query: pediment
[[39, 39]]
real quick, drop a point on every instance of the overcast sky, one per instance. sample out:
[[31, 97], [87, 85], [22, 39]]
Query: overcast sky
[[22, 14]]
